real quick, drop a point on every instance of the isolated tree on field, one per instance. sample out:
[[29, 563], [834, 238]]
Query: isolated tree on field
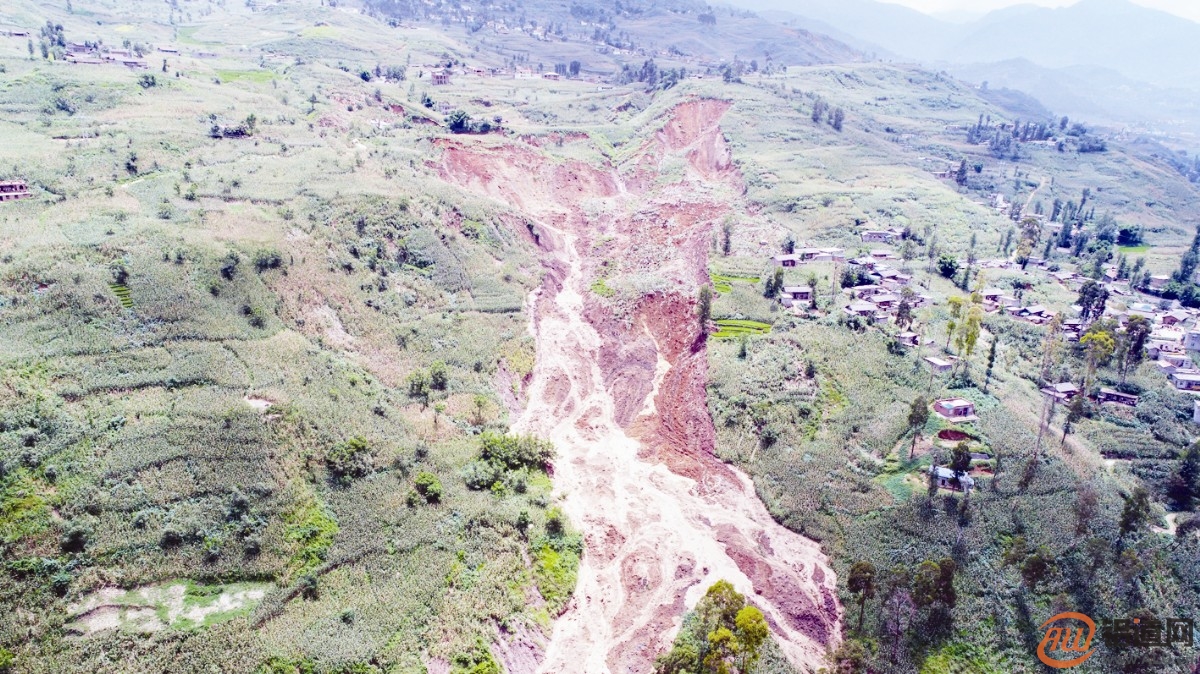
[[969, 332], [918, 415], [991, 363], [1050, 349], [789, 244], [960, 176], [1136, 513], [955, 304], [727, 238], [1098, 346], [1075, 412], [947, 265], [904, 317], [836, 118], [862, 583], [774, 284], [818, 111]]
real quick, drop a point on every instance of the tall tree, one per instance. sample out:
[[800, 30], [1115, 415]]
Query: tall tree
[[862, 583], [1132, 344], [918, 415], [1075, 412], [704, 308], [1184, 487], [991, 363], [1098, 346], [1136, 513]]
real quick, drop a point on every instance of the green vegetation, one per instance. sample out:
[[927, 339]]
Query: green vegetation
[[600, 287], [724, 635], [730, 328], [724, 284]]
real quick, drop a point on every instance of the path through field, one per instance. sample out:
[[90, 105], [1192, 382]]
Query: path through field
[[622, 398]]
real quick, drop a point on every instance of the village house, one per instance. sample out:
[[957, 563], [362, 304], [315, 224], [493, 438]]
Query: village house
[[1158, 282], [908, 339], [879, 236], [865, 292], [991, 295], [1108, 395], [882, 255], [792, 296], [947, 479], [1177, 317], [551, 76], [861, 308], [1191, 341], [886, 300], [1186, 381], [955, 410], [11, 190], [440, 79], [939, 365], [786, 260], [1062, 393]]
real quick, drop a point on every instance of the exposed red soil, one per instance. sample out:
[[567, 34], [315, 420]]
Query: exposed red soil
[[621, 392]]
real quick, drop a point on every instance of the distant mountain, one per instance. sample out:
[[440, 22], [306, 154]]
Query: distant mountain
[[869, 25], [1140, 43], [1097, 94], [1107, 59]]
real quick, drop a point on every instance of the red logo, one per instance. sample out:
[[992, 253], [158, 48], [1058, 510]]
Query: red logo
[[1067, 640]]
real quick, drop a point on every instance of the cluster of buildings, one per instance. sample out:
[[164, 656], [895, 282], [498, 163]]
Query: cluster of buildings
[[95, 54]]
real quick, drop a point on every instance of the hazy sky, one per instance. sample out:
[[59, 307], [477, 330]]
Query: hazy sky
[[1185, 8]]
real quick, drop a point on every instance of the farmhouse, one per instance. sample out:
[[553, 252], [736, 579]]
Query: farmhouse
[[1176, 317], [1186, 381], [947, 479], [786, 260], [1062, 393], [861, 308], [1108, 395], [440, 79], [1191, 341], [955, 410], [792, 296], [11, 190], [938, 365], [886, 300], [878, 236]]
